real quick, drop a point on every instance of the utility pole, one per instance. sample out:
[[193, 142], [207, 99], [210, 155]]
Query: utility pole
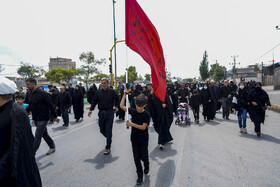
[[115, 40], [234, 74], [262, 72]]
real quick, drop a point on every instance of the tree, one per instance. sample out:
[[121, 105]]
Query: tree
[[203, 69], [29, 71], [147, 77], [132, 74], [189, 80], [1, 68], [97, 78], [57, 75], [90, 67], [217, 72]]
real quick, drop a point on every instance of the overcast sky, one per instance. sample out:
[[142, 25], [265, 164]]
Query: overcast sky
[[33, 31]]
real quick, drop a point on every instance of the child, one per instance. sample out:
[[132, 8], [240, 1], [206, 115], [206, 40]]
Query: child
[[194, 103], [20, 100], [182, 112], [139, 133], [120, 113]]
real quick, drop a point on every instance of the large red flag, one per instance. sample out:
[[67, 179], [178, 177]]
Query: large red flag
[[141, 36]]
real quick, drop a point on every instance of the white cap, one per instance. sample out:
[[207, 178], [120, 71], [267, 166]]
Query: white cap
[[7, 86]]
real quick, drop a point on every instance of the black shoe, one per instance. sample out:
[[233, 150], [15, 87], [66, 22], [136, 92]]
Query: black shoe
[[258, 134], [66, 125], [63, 125], [139, 181], [146, 170], [227, 118], [76, 120]]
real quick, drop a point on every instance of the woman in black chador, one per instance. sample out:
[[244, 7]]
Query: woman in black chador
[[78, 103], [163, 119]]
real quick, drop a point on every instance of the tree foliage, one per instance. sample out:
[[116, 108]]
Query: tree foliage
[[30, 71], [90, 67], [217, 72], [97, 78], [203, 69], [132, 75], [147, 77], [58, 75]]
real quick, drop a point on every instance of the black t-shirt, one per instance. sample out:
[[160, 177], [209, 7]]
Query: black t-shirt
[[5, 127], [137, 135]]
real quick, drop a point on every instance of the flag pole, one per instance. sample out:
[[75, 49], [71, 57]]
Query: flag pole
[[126, 85]]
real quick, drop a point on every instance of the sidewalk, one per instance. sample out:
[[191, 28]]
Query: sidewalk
[[274, 96]]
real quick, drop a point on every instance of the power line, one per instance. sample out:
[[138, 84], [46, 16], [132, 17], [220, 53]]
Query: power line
[[267, 52]]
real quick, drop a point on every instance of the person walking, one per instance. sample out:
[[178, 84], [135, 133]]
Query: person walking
[[40, 105], [226, 99], [183, 94], [258, 103], [78, 103], [64, 105], [53, 93], [70, 90], [106, 98], [240, 105], [17, 159], [139, 134], [195, 103]]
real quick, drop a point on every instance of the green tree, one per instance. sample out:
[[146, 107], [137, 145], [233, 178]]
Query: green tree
[[89, 68], [219, 73], [203, 68], [1, 68], [30, 71], [97, 78], [189, 80], [132, 74], [55, 75], [147, 77]]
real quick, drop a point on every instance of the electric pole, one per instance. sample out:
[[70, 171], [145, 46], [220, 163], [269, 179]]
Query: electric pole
[[115, 39], [234, 74]]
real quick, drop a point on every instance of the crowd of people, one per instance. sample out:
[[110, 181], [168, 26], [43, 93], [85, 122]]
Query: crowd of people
[[144, 107]]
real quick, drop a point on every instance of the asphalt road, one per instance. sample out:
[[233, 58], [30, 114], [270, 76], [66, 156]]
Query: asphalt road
[[209, 154]]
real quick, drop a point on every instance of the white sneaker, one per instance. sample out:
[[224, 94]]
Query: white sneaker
[[244, 130], [161, 147], [240, 130]]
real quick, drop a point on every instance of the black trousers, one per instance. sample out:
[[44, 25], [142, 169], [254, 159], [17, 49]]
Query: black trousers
[[196, 112], [106, 119], [257, 127], [140, 152], [42, 131]]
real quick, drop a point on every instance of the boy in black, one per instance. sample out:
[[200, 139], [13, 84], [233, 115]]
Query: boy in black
[[194, 103], [139, 133]]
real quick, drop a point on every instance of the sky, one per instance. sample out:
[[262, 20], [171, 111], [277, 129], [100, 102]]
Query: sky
[[35, 30]]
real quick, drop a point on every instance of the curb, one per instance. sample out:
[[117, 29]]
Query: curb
[[275, 108]]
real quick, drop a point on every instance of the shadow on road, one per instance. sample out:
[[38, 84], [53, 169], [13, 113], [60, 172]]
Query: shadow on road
[[264, 137], [60, 128], [165, 174], [161, 154], [101, 160]]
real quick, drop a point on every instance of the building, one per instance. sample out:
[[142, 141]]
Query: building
[[249, 73], [63, 63]]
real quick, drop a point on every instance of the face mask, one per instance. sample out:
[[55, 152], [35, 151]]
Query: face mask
[[200, 88], [241, 87], [205, 88]]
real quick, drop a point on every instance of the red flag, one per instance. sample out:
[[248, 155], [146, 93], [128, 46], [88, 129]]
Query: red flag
[[141, 36]]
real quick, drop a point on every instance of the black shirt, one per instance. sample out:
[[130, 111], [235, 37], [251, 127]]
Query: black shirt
[[64, 100], [5, 127], [106, 100], [54, 96], [137, 135], [41, 106]]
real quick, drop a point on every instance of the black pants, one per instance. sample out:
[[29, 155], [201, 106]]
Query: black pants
[[226, 104], [196, 112], [42, 131], [106, 119], [257, 127], [140, 152]]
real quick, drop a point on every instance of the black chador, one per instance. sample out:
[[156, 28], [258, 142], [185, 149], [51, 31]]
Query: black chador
[[78, 103], [163, 119]]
